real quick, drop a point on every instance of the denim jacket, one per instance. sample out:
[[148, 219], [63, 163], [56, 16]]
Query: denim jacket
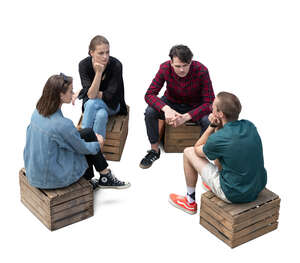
[[54, 152]]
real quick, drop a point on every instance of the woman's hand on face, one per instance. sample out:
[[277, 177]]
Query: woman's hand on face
[[98, 67]]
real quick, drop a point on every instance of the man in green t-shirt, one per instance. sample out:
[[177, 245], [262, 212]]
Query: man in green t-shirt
[[237, 174]]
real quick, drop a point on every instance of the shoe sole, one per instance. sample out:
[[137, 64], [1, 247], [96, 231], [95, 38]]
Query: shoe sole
[[181, 208], [144, 166], [115, 187]]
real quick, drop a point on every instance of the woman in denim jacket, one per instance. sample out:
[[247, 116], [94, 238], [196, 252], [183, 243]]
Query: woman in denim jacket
[[56, 154]]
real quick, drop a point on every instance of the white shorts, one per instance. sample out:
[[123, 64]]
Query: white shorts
[[210, 176]]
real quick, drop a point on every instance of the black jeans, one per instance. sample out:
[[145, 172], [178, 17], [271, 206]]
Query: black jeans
[[97, 160], [152, 116]]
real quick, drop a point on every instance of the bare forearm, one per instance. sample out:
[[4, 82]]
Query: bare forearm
[[94, 89], [205, 136]]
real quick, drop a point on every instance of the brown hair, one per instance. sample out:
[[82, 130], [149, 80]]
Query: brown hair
[[97, 40], [50, 99], [182, 52], [229, 104]]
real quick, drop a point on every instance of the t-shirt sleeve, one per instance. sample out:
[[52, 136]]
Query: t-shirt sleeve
[[214, 147]]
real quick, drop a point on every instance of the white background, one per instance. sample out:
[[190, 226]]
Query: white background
[[251, 48]]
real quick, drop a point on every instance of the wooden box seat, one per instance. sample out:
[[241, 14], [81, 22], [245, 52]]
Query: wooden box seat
[[116, 135], [177, 139], [57, 208], [236, 224]]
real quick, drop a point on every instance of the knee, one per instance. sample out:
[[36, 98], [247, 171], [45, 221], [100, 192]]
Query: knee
[[90, 104], [150, 112], [102, 115], [187, 152]]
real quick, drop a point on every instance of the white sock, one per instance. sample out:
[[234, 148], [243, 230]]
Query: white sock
[[190, 191]]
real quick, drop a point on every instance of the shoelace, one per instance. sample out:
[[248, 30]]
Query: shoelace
[[115, 180], [151, 155]]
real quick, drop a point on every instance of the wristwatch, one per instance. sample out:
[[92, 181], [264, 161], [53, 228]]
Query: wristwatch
[[213, 125]]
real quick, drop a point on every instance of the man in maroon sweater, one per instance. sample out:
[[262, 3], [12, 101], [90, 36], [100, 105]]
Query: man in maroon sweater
[[188, 96]]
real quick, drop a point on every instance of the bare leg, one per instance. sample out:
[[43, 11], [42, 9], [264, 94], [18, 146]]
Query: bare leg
[[192, 166]]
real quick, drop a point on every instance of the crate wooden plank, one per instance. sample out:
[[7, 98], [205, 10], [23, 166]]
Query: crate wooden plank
[[75, 218], [110, 125], [34, 200], [111, 142], [112, 157], [182, 136], [241, 240], [181, 142], [243, 232], [71, 211], [118, 125], [110, 149], [72, 203], [37, 192], [36, 212]]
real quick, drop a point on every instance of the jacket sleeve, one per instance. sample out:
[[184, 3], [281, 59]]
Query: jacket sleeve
[[115, 83], [67, 137], [86, 82]]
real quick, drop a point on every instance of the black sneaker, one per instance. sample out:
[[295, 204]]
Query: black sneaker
[[110, 181], [149, 159], [94, 183]]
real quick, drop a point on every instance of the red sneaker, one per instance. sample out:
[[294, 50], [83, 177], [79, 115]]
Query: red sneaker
[[182, 203]]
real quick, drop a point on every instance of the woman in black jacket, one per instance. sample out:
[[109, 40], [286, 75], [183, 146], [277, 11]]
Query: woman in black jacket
[[102, 86]]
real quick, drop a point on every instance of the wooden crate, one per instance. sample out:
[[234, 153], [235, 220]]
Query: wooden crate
[[60, 207], [236, 224], [177, 139], [116, 135]]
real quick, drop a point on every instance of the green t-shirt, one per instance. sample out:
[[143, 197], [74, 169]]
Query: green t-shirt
[[239, 149]]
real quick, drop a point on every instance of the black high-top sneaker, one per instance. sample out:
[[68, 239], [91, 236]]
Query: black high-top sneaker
[[110, 181]]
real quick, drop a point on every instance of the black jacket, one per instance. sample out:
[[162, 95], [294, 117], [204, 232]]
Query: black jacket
[[111, 84]]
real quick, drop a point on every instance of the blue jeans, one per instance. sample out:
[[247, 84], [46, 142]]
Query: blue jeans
[[96, 114]]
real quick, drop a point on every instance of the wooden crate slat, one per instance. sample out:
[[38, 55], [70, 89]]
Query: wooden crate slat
[[71, 195], [254, 234], [216, 215], [73, 219], [37, 192], [250, 213], [182, 136], [264, 197], [181, 142], [110, 125], [110, 149], [118, 125], [34, 200], [71, 211], [72, 203], [243, 232], [112, 156], [112, 142], [36, 212], [217, 209]]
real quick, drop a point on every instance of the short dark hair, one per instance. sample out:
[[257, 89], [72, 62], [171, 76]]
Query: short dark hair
[[50, 99], [97, 40], [182, 52], [229, 104]]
